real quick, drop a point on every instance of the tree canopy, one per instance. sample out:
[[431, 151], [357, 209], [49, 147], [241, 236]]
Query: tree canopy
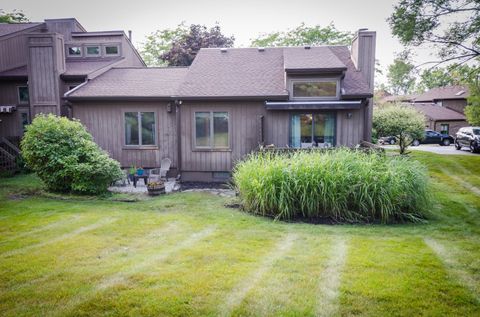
[[401, 75], [451, 26], [179, 46], [453, 74], [304, 35], [12, 17], [472, 110]]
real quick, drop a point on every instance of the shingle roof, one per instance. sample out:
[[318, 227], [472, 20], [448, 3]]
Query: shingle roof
[[441, 93], [7, 28], [438, 113], [354, 83], [133, 82], [314, 58]]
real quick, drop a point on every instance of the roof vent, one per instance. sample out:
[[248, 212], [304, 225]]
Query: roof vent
[[223, 50], [461, 92], [261, 49], [307, 47]]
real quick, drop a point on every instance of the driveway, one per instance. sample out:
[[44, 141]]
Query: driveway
[[434, 148]]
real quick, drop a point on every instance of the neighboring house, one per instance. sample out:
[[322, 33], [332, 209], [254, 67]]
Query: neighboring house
[[39, 62], [208, 116], [398, 98], [444, 108]]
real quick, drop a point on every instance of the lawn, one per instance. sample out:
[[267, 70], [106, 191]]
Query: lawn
[[186, 254]]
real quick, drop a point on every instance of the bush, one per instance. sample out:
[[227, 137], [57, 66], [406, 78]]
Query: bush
[[401, 121], [341, 185], [66, 159]]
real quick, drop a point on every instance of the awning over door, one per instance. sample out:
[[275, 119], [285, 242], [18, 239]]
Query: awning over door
[[7, 108], [313, 105]]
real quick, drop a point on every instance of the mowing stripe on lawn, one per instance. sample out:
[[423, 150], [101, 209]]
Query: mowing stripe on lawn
[[39, 229], [121, 276], [237, 295], [453, 267], [74, 233], [330, 279], [463, 183]]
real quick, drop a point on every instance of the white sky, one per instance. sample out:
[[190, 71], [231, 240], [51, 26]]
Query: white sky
[[244, 19]]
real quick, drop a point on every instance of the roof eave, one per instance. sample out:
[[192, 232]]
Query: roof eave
[[233, 98], [118, 98], [315, 70]]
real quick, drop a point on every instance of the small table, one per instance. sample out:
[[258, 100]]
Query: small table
[[137, 177]]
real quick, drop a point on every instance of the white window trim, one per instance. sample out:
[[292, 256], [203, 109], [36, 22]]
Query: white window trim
[[104, 49], [74, 56], [210, 147], [140, 145], [93, 45], [20, 102], [314, 80]]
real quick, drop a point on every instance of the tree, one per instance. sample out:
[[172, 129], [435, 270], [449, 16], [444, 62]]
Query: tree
[[472, 110], [179, 46], [304, 35], [12, 17], [400, 74], [451, 26], [454, 74], [401, 121]]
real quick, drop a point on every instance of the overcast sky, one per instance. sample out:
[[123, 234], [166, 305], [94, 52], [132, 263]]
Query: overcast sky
[[244, 19]]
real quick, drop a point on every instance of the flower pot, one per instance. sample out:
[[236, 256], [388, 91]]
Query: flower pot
[[139, 172], [156, 188]]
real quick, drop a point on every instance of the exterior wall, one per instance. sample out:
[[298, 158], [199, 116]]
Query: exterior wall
[[454, 126], [12, 49], [105, 121], [457, 105], [10, 123]]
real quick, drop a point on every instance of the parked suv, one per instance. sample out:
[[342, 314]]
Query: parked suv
[[470, 137], [434, 137]]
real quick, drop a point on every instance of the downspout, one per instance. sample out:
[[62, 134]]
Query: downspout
[[179, 136], [65, 95]]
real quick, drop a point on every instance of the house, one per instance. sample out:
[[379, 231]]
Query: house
[[444, 108], [209, 115], [41, 61]]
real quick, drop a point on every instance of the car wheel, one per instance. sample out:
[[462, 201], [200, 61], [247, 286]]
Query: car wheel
[[473, 148], [458, 146], [446, 142], [392, 142], [416, 143]]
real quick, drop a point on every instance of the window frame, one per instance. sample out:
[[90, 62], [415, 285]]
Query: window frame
[[448, 128], [20, 102], [74, 56], [27, 113], [313, 113], [104, 49], [140, 139], [211, 147], [93, 55], [292, 81]]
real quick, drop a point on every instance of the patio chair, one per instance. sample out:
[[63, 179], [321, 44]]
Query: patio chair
[[161, 173]]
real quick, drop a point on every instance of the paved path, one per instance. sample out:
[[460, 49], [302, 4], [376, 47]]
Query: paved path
[[437, 149]]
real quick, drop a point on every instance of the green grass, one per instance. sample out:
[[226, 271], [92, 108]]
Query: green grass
[[186, 254]]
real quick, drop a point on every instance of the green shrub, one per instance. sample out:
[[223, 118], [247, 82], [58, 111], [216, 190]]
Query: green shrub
[[341, 185], [66, 159]]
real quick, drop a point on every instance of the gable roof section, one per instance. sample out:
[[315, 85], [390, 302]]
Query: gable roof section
[[87, 67], [8, 28], [438, 113], [444, 93], [239, 72], [311, 59], [132, 82]]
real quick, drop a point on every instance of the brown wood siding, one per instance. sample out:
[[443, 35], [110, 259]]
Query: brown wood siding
[[104, 120], [457, 105], [12, 52], [277, 128], [350, 131], [244, 136]]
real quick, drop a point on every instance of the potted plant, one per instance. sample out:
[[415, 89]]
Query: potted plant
[[156, 188]]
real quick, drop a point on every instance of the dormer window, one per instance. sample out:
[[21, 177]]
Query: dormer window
[[314, 88], [74, 51], [112, 50], [93, 50]]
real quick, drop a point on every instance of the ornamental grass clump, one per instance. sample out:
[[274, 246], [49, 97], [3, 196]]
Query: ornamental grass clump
[[338, 185]]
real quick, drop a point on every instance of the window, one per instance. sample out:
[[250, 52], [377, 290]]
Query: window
[[444, 128], [310, 130], [24, 119], [323, 89], [74, 51], [93, 50], [111, 50], [211, 130], [140, 128], [23, 96]]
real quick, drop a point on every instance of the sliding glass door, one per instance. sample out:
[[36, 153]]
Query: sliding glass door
[[312, 130]]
